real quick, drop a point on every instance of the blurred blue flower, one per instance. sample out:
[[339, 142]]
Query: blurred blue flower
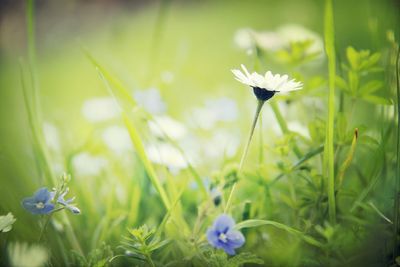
[[223, 235], [67, 203], [40, 202]]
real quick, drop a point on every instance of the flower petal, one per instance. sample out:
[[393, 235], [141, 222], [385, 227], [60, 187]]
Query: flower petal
[[42, 195], [235, 238], [47, 209], [228, 249], [223, 223], [212, 237]]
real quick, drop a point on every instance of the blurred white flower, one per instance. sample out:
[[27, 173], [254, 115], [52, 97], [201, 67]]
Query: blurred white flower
[[167, 77], [51, 136], [166, 154], [297, 33], [150, 100], [100, 109], [215, 110], [224, 108], [243, 38], [223, 143], [247, 38], [296, 126], [86, 164], [266, 86], [25, 255], [117, 139], [165, 124]]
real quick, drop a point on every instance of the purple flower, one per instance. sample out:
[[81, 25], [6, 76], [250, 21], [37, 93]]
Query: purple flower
[[67, 203], [223, 235], [40, 203]]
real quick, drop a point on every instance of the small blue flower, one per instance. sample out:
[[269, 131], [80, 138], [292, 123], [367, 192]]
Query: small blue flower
[[223, 235], [67, 203], [40, 203]]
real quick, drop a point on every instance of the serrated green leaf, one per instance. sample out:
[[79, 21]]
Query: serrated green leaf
[[244, 258], [6, 222], [353, 57]]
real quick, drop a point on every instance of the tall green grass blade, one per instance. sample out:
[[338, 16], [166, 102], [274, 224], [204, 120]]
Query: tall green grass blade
[[34, 115], [255, 223], [138, 144], [348, 160], [329, 36], [397, 184], [116, 83], [126, 96]]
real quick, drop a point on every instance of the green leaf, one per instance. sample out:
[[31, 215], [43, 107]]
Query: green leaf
[[341, 83], [370, 62], [244, 258], [370, 87], [377, 100], [160, 244], [6, 222], [255, 223], [353, 57]]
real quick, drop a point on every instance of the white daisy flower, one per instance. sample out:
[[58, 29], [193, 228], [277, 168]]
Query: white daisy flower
[[266, 86]]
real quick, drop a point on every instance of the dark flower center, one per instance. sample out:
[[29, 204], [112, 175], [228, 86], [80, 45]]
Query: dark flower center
[[263, 94]]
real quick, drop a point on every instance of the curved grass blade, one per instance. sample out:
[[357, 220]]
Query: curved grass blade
[[139, 147], [255, 223]]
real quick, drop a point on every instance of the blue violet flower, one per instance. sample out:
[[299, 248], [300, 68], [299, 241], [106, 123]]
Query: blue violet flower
[[40, 202], [223, 235]]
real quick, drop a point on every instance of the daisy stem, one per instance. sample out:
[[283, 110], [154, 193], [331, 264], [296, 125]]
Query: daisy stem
[[253, 126], [246, 149]]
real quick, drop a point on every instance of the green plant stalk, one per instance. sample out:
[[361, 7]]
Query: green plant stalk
[[30, 24], [37, 141], [260, 104], [108, 79], [329, 151], [34, 115], [397, 185], [348, 160], [137, 143], [255, 223], [157, 36]]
